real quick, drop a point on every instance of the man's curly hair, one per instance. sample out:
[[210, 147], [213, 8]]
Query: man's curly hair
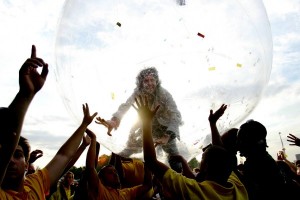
[[145, 72]]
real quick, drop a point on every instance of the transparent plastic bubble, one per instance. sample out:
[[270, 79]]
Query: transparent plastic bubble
[[207, 52]]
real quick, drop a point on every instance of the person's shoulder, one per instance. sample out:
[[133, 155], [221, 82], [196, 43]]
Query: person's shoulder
[[171, 174], [164, 92], [39, 176], [3, 194]]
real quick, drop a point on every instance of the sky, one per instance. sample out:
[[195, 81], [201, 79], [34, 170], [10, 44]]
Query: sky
[[48, 123]]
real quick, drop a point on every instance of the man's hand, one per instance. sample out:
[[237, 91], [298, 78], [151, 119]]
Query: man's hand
[[281, 156], [34, 155], [87, 119], [214, 117], [109, 124], [86, 140], [90, 134], [143, 108], [293, 139], [30, 80]]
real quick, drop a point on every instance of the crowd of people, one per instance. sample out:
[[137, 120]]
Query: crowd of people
[[219, 176]]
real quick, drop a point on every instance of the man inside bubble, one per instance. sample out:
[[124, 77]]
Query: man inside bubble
[[165, 124]]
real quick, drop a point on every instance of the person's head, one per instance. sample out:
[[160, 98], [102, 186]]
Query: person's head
[[229, 139], [109, 176], [196, 170], [68, 179], [148, 80], [215, 165], [251, 138], [18, 164]]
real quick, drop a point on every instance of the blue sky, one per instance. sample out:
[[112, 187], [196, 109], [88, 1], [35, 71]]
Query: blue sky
[[48, 124]]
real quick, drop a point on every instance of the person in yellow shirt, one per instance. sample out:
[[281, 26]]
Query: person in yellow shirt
[[14, 150], [131, 172], [106, 184], [12, 155], [65, 189], [218, 181]]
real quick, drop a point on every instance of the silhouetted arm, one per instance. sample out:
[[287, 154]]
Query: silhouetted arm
[[91, 173], [186, 170], [147, 184], [30, 82], [147, 115], [85, 142], [66, 152], [213, 118]]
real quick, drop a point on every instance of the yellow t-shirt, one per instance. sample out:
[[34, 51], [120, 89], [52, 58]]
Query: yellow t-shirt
[[68, 193], [133, 172], [57, 194], [116, 194], [134, 175], [181, 187], [36, 186]]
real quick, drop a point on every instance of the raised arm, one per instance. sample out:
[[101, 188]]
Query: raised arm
[[147, 184], [213, 118], [186, 170], [281, 156], [30, 82], [116, 161], [115, 121], [146, 114], [91, 173], [57, 165], [85, 142]]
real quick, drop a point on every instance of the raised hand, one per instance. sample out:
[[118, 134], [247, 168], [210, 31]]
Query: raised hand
[[90, 134], [143, 108], [215, 116], [34, 155], [108, 124], [30, 80], [86, 140], [87, 119], [293, 139], [281, 155]]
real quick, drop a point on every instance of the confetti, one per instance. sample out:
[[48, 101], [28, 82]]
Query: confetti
[[200, 34], [239, 65], [211, 68]]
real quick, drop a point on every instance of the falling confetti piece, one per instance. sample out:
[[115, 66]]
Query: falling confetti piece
[[211, 68], [200, 34], [113, 96], [239, 65], [119, 24]]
